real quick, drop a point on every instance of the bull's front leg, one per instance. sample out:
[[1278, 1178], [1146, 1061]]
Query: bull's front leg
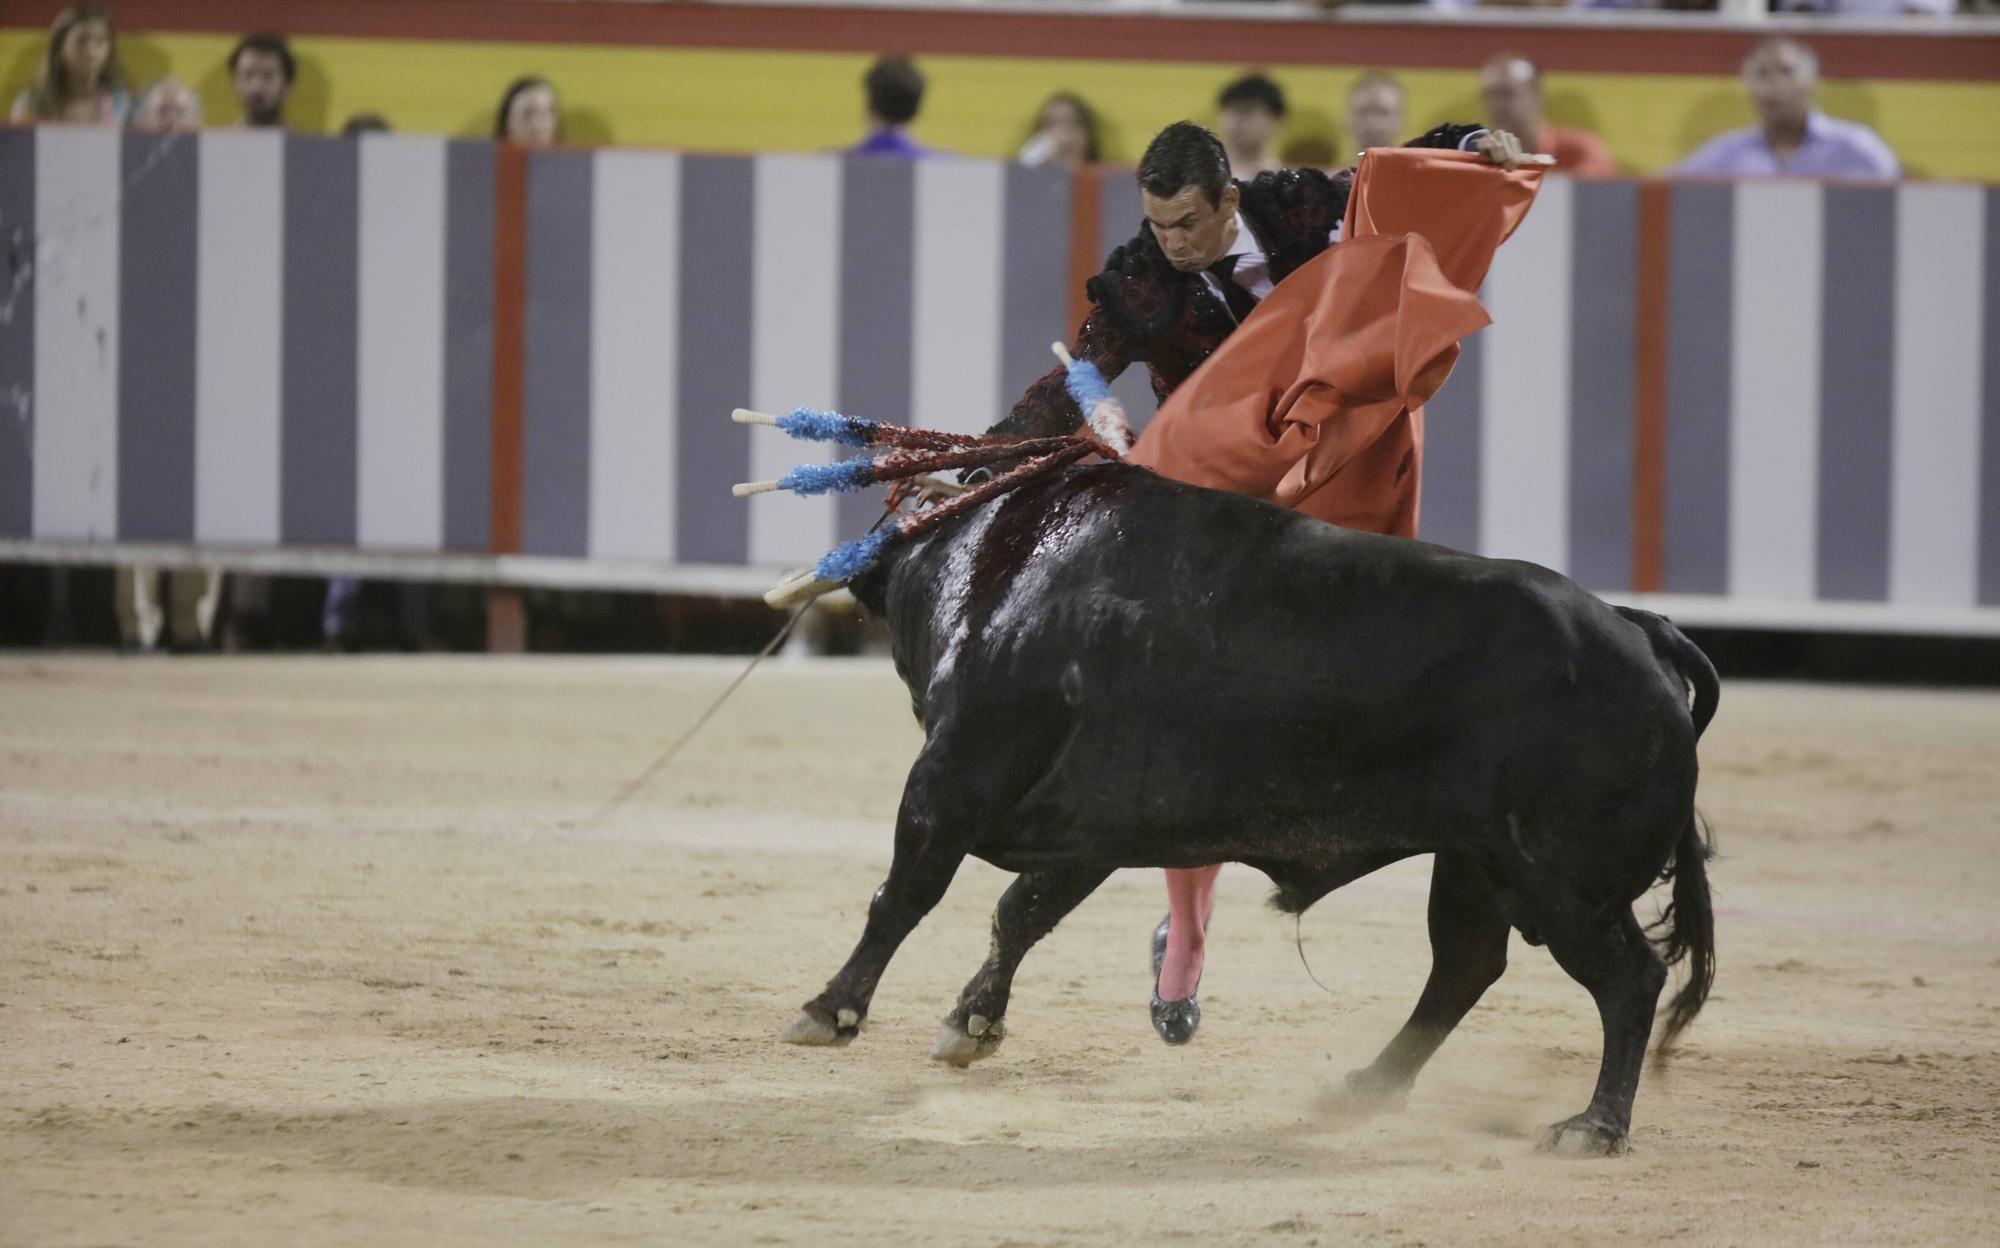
[[927, 856], [1029, 910], [1468, 953]]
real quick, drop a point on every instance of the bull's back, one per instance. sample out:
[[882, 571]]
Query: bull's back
[[1161, 595]]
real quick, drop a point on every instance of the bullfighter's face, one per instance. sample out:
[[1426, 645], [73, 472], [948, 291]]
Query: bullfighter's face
[[1192, 231]]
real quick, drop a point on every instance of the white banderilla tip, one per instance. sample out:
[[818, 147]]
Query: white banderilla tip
[[1062, 353], [744, 416], [744, 489]]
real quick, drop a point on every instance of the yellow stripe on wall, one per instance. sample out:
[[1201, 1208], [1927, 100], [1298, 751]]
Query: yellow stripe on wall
[[741, 100]]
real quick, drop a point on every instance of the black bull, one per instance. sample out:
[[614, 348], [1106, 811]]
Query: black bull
[[1117, 670]]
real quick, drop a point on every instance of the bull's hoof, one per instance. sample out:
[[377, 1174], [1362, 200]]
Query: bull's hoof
[[1583, 1136], [815, 1027], [961, 1047], [1374, 1090]]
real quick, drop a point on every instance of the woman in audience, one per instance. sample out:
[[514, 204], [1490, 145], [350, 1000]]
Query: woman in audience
[[530, 114], [1065, 134], [80, 79]]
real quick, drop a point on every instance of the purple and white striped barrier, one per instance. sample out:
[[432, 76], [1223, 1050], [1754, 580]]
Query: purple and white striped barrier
[[283, 347]]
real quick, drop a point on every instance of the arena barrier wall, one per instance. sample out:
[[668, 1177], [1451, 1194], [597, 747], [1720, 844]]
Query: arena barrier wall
[[1773, 403]]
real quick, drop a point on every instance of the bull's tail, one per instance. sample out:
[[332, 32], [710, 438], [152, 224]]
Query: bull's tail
[[1698, 672], [1672, 647], [1685, 930]]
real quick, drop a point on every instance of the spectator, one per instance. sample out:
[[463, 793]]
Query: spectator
[[80, 80], [895, 91], [169, 106], [1791, 136], [364, 123], [1511, 87], [1310, 151], [530, 114], [1248, 114], [262, 71], [1376, 111], [1065, 134]]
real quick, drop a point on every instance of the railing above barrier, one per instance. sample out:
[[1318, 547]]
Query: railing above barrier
[[1775, 403]]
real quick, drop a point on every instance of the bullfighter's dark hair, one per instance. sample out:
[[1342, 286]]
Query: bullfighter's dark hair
[[265, 41], [895, 89], [1183, 155], [1253, 91]]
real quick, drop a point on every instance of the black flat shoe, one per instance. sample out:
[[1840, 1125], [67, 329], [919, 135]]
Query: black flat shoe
[[1176, 1021]]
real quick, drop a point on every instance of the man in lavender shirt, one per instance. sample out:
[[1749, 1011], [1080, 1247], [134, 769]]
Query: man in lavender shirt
[[1792, 138], [895, 90]]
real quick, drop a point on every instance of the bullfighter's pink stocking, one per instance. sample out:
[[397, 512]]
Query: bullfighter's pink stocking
[[1190, 901]]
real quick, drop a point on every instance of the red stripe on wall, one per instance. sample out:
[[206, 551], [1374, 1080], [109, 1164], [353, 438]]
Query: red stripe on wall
[[1649, 407], [510, 337], [1922, 53], [1086, 200]]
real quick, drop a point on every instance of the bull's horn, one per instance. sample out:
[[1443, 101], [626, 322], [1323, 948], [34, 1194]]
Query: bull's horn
[[1062, 353], [744, 489], [938, 485], [744, 416], [802, 587]]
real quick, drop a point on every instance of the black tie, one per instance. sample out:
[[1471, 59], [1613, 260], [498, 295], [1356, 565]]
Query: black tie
[[1241, 302]]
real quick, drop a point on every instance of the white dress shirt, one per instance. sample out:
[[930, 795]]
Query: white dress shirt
[[1253, 267]]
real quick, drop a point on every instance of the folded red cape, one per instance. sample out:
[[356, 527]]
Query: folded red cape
[[1316, 401]]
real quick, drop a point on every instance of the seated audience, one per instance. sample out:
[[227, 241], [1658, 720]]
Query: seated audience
[[262, 70], [169, 106], [1065, 134], [530, 113], [894, 89], [1791, 136], [1249, 112], [1311, 151], [1511, 88], [80, 80], [1377, 111]]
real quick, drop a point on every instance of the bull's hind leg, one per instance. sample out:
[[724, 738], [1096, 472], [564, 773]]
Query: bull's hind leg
[[1468, 953], [1617, 964], [927, 856], [1028, 911]]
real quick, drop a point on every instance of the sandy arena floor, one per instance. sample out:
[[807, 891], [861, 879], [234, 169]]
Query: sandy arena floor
[[304, 952]]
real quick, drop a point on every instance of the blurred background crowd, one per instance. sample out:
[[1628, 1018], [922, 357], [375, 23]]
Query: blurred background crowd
[[80, 78]]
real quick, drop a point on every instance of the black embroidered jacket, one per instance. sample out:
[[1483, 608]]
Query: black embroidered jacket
[[1143, 309]]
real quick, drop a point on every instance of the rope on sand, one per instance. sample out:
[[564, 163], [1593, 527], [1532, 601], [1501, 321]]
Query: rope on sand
[[660, 764]]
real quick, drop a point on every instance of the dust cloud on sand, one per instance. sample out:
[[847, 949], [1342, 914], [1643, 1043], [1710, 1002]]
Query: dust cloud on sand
[[320, 952]]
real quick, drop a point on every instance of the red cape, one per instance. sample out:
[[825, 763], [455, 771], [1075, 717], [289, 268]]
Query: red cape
[[1316, 401]]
